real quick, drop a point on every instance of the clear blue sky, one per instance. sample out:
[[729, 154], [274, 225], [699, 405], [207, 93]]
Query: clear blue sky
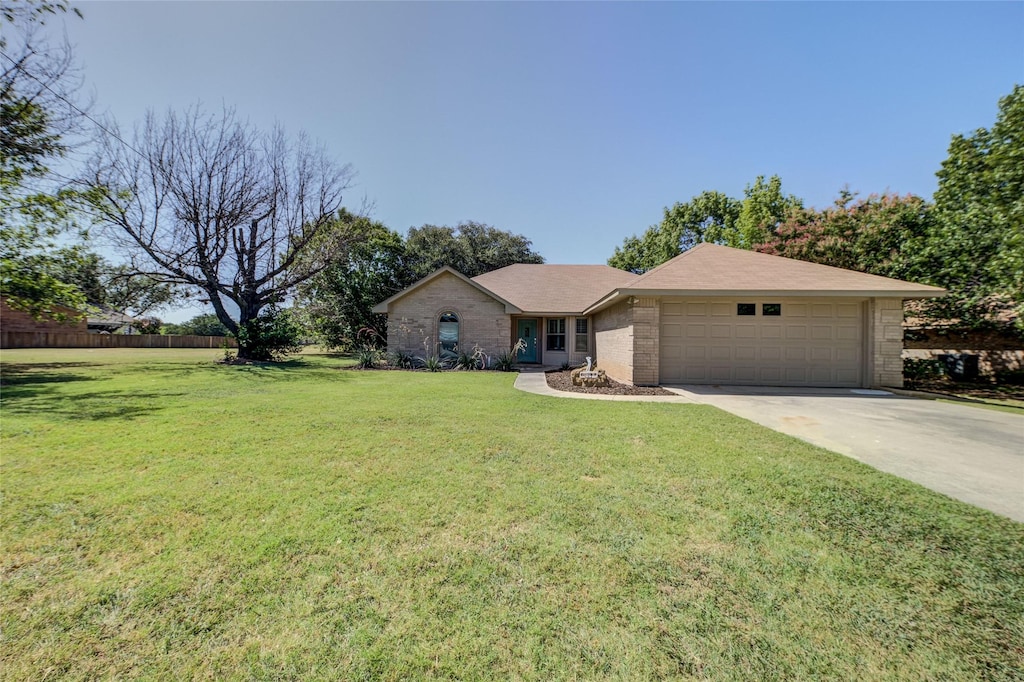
[[575, 123]]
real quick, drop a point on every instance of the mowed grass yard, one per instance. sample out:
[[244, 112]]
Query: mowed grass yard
[[164, 517]]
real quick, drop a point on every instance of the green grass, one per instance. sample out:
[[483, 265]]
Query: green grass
[[1009, 406], [164, 517]]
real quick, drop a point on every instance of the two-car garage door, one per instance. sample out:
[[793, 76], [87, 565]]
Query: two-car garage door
[[798, 343]]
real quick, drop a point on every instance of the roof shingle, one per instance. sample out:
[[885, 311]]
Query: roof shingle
[[550, 289], [710, 267]]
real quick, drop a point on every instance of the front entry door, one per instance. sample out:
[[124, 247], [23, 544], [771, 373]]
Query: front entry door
[[527, 331]]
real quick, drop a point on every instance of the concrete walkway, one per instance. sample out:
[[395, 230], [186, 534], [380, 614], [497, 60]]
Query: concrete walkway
[[970, 453]]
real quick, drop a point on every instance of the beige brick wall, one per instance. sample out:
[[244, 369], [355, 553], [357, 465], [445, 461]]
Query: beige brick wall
[[413, 319], [646, 333], [885, 338], [613, 338], [12, 320]]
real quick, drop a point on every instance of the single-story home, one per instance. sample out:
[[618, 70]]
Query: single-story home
[[712, 315]]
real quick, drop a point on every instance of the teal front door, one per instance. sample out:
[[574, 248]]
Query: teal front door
[[527, 331]]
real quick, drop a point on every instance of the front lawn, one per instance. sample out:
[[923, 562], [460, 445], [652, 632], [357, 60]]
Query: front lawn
[[165, 517]]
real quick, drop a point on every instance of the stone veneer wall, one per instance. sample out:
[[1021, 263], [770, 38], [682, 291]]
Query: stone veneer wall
[[414, 318], [885, 338]]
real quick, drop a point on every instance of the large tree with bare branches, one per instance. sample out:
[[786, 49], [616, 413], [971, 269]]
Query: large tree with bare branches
[[209, 202]]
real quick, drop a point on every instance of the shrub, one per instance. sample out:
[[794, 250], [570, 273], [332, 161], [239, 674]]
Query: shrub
[[566, 366], [922, 369], [402, 360], [466, 361], [367, 357], [433, 364], [1010, 377], [505, 362], [271, 336]]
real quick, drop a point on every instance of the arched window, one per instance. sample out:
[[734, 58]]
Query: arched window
[[448, 335]]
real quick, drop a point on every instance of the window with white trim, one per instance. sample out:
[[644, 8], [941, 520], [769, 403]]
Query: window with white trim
[[582, 344], [556, 334]]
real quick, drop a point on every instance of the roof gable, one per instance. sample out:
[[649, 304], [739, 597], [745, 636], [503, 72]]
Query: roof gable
[[554, 289], [382, 307]]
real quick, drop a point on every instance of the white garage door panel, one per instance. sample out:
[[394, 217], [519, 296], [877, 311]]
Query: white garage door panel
[[816, 343]]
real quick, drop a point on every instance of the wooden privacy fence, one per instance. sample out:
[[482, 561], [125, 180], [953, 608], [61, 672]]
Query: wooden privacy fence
[[85, 340]]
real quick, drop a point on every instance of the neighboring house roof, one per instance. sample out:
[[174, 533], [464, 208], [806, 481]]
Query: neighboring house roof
[[711, 269], [382, 307], [100, 316], [553, 289]]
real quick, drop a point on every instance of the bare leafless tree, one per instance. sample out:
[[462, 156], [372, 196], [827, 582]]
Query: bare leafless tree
[[207, 201]]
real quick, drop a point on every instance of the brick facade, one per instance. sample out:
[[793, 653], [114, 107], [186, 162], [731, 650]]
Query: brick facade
[[413, 318], [885, 342], [626, 337], [12, 320], [646, 334], [613, 338]]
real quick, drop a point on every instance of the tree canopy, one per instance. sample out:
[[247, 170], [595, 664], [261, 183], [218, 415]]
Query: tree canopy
[[38, 123], [710, 216], [200, 325], [470, 247], [976, 246], [209, 202], [336, 305], [881, 235], [114, 286]]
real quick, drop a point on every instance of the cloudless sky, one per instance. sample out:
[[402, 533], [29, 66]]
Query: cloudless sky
[[574, 123]]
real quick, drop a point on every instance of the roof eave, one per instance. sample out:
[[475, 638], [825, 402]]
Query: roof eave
[[930, 292], [604, 302]]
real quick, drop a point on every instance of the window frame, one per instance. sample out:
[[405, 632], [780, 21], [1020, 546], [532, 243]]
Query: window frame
[[458, 332], [584, 335], [551, 338]]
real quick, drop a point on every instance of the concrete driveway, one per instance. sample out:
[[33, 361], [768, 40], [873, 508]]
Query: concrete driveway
[[970, 453]]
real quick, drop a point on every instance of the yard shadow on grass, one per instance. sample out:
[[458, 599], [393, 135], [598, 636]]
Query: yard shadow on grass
[[290, 370], [25, 374], [37, 400]]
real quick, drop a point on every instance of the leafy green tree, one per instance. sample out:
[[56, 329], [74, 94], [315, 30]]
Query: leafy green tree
[[471, 248], [114, 286], [880, 235], [37, 80], [976, 248], [335, 306], [709, 216], [200, 325], [148, 325], [764, 208]]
